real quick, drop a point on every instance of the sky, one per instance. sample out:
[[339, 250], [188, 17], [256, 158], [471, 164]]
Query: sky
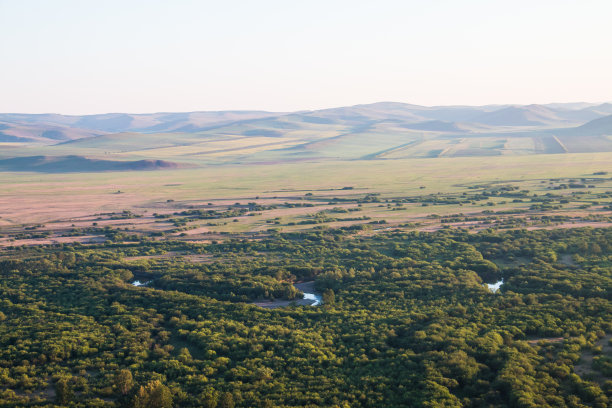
[[85, 56]]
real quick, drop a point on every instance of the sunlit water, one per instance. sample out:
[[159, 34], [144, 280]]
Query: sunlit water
[[494, 287], [308, 296], [312, 296]]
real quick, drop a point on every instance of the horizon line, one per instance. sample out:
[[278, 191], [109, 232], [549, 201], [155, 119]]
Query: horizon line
[[305, 110]]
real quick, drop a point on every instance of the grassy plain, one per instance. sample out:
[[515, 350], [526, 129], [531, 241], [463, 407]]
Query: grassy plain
[[61, 201]]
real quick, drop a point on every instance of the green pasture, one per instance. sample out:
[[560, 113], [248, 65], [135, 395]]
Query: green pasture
[[226, 184], [385, 176]]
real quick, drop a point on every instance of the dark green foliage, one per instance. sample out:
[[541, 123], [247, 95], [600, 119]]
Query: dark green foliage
[[329, 298], [124, 381], [153, 395], [406, 321], [63, 391]]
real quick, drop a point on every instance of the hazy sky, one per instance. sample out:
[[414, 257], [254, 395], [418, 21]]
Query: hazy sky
[[99, 56]]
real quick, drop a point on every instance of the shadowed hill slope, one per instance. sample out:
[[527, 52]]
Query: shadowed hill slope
[[69, 164], [532, 115], [596, 127]]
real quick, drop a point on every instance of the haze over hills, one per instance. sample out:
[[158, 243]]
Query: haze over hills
[[532, 115], [68, 127], [46, 133], [596, 127], [384, 130], [504, 115]]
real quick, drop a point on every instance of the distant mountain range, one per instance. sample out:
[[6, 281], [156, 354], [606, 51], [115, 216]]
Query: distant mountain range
[[54, 128], [378, 131], [49, 128]]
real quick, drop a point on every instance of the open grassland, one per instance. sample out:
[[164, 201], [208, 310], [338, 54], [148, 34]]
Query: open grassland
[[235, 181], [424, 194], [294, 138]]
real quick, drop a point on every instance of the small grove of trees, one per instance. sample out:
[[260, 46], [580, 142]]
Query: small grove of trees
[[124, 381], [63, 391], [153, 395], [329, 297], [211, 398]]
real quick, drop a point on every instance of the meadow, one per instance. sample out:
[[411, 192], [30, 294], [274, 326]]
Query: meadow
[[30, 198]]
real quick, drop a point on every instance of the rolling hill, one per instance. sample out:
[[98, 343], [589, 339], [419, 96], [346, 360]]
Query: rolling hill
[[379, 131], [17, 132], [123, 122], [531, 115], [74, 164], [596, 127], [444, 126], [585, 114], [53, 128]]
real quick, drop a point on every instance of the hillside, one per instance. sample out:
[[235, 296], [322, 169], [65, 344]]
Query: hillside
[[593, 136], [66, 164], [357, 115], [17, 132], [531, 115], [378, 131], [443, 126], [585, 114], [596, 127], [123, 122]]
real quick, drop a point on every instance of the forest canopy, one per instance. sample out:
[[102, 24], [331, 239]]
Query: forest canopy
[[406, 320]]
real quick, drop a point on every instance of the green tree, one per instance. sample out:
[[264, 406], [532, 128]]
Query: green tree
[[329, 297], [63, 391], [227, 400], [209, 398], [153, 395], [124, 381], [184, 355]]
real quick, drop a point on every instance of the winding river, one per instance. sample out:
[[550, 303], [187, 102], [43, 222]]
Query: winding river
[[494, 287], [311, 297], [314, 297]]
